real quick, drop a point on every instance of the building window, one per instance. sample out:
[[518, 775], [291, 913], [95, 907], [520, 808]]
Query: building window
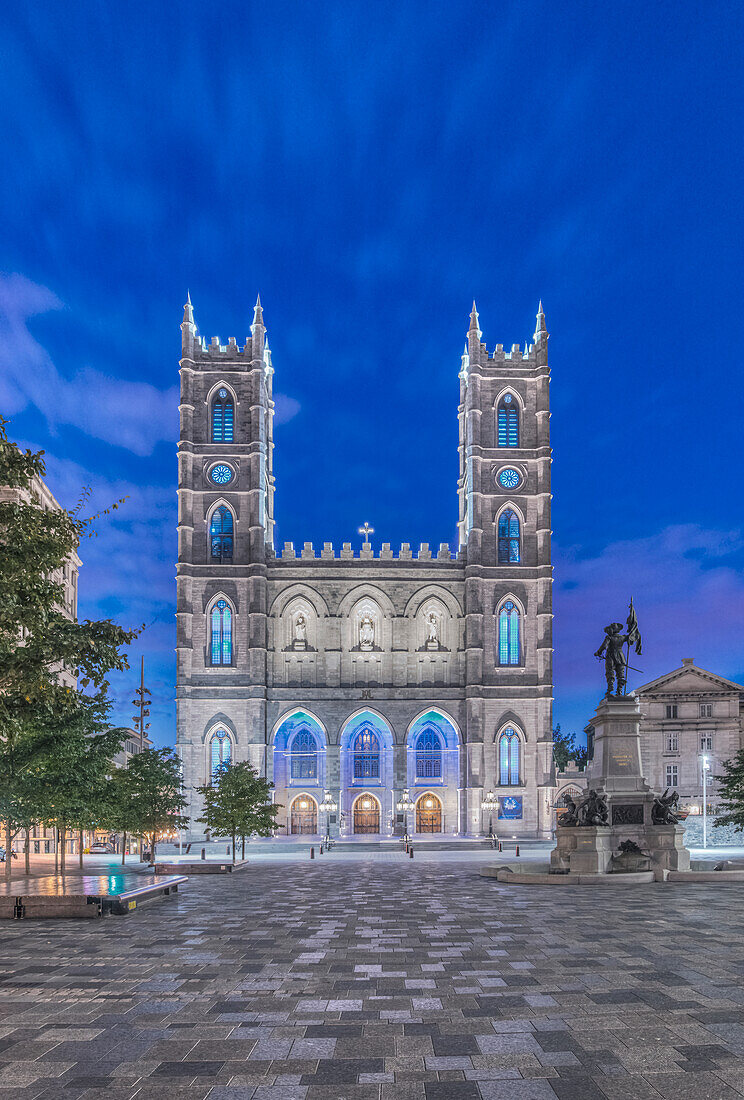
[[366, 755], [671, 710], [221, 648], [223, 417], [672, 742], [508, 536], [508, 634], [706, 742], [304, 756], [509, 758], [428, 755], [221, 534], [706, 710], [671, 775], [508, 421], [220, 752]]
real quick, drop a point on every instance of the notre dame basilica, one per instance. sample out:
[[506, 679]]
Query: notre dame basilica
[[381, 688]]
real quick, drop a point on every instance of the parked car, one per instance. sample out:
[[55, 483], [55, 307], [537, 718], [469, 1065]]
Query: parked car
[[100, 849]]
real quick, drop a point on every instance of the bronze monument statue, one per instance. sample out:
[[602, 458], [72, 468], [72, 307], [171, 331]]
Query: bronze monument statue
[[615, 661], [664, 809]]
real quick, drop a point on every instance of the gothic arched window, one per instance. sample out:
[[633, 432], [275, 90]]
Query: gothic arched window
[[508, 421], [366, 755], [428, 755], [508, 536], [508, 634], [221, 534], [220, 752], [304, 756], [221, 624], [223, 416], [509, 758]]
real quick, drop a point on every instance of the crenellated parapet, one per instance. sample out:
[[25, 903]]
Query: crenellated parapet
[[367, 553]]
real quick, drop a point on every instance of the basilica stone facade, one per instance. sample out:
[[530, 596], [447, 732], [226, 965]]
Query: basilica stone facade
[[349, 676]]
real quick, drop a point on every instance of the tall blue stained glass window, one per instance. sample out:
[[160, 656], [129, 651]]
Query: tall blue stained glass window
[[221, 633], [509, 758], [508, 421], [223, 417], [220, 752], [428, 755], [221, 534], [304, 756], [508, 634], [366, 755], [508, 536]]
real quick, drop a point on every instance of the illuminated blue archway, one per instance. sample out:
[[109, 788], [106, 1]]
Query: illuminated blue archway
[[299, 751]]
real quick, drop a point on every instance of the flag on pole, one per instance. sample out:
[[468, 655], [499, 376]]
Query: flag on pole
[[634, 634]]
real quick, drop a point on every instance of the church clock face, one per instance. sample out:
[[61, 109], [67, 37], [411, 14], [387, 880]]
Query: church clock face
[[221, 474], [508, 478]]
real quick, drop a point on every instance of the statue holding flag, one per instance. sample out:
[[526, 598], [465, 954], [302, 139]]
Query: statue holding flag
[[617, 662]]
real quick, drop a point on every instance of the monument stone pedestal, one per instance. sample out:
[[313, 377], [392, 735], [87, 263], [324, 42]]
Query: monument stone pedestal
[[615, 774]]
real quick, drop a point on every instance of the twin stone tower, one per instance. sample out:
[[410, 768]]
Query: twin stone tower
[[372, 671]]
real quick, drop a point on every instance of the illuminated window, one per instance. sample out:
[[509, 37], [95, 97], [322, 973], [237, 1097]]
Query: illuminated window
[[220, 752], [221, 648], [509, 758], [508, 536], [366, 755], [428, 755], [508, 421], [223, 417], [221, 534], [508, 634], [304, 756]]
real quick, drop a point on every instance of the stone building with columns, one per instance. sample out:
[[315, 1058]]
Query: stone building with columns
[[368, 672]]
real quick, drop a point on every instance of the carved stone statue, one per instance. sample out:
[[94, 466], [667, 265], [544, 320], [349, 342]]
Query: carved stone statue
[[612, 651], [432, 631], [593, 810], [664, 809], [300, 630], [366, 632], [570, 816]]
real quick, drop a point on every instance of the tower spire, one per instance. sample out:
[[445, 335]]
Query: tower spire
[[541, 332], [188, 329], [257, 312], [188, 310], [474, 326]]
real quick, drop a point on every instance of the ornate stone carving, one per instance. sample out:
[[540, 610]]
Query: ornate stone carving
[[367, 632], [631, 814]]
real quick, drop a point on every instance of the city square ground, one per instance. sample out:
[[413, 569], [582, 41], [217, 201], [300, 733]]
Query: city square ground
[[365, 974]]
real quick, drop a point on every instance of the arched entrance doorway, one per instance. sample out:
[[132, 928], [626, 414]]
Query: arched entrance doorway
[[428, 814], [366, 814], [303, 816]]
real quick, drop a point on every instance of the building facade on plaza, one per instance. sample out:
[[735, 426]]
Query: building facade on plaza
[[367, 672]]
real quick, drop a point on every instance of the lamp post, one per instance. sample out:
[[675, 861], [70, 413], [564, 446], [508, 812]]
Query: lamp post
[[328, 807], [706, 769], [406, 806], [490, 803]]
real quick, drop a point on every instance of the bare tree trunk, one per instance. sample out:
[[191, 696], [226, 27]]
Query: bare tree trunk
[[56, 850], [62, 853], [152, 847], [8, 856], [243, 855], [80, 847], [27, 850], [233, 845], [124, 849]]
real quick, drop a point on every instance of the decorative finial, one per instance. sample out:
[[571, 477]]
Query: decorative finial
[[540, 329], [474, 326], [366, 530], [188, 312], [258, 312]]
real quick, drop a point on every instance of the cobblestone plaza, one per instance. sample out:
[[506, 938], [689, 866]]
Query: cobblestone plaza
[[381, 977]]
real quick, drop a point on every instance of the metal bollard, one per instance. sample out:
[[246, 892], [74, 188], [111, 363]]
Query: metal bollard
[[204, 853], [517, 850], [410, 851], [321, 849], [499, 845], [312, 853]]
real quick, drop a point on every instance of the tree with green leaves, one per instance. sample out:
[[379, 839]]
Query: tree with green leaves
[[39, 641], [731, 792], [150, 795], [565, 748], [238, 804]]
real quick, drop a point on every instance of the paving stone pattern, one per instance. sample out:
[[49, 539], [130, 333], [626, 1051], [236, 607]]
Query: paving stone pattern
[[381, 981]]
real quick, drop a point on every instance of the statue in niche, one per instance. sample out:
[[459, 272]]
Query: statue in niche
[[299, 639], [366, 632], [432, 631]]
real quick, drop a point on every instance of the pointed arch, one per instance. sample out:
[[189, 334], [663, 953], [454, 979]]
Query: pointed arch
[[428, 813], [219, 750], [220, 620], [509, 757], [221, 523], [508, 419], [222, 414], [509, 620], [509, 535]]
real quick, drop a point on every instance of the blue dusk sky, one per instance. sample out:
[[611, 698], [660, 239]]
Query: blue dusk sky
[[371, 168]]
